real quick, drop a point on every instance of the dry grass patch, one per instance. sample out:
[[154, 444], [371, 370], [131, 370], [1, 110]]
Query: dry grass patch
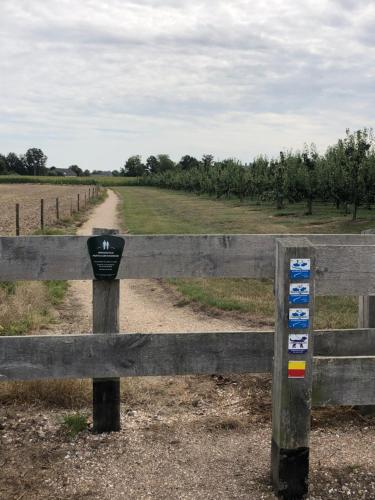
[[69, 394], [24, 307]]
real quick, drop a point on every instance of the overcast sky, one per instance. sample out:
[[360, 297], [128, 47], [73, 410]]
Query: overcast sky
[[92, 82]]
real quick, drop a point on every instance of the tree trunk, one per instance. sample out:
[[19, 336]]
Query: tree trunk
[[354, 210], [309, 206]]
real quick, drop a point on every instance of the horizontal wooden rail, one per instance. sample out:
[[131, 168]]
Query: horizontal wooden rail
[[341, 270], [96, 356], [344, 381]]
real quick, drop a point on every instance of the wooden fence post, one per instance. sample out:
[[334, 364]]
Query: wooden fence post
[[89, 194], [42, 214], [57, 209], [106, 392], [292, 368], [366, 319], [71, 207], [17, 219], [85, 200], [78, 202]]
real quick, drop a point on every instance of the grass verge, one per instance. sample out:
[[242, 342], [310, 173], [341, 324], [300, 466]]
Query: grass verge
[[154, 211]]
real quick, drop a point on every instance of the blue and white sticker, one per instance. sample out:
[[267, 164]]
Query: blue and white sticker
[[298, 344], [298, 318], [299, 268], [299, 293]]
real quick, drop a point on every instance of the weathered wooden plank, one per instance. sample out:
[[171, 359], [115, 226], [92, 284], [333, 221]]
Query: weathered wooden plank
[[357, 342], [251, 256], [291, 377], [86, 356], [345, 270], [344, 381], [101, 356], [106, 320]]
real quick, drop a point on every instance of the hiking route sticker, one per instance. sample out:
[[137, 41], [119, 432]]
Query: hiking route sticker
[[296, 369], [299, 293], [298, 318], [298, 344], [299, 269], [105, 254]]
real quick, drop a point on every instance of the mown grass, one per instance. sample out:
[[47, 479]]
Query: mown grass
[[154, 211]]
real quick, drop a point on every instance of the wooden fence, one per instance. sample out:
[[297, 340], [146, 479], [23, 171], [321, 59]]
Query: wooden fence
[[55, 210], [336, 367]]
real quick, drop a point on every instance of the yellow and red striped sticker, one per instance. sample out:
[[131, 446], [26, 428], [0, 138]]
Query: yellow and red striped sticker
[[296, 369]]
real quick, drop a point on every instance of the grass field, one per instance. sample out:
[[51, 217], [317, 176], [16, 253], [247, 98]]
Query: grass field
[[154, 211]]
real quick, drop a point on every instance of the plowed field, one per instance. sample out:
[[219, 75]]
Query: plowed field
[[28, 196]]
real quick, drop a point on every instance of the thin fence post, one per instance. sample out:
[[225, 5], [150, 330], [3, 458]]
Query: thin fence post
[[42, 214], [71, 207], [106, 391], [78, 202], [366, 319], [57, 209], [89, 194], [292, 368], [85, 200], [17, 219]]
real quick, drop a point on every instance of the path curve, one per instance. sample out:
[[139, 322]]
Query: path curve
[[145, 306]]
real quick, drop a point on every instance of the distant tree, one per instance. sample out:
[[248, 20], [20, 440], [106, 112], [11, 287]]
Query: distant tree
[[3, 165], [86, 173], [133, 167], [52, 172], [207, 161], [35, 161], [309, 159], [116, 173], [77, 170], [152, 165], [356, 146], [187, 162], [16, 164], [165, 163]]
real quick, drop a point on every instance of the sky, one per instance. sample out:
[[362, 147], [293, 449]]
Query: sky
[[93, 82]]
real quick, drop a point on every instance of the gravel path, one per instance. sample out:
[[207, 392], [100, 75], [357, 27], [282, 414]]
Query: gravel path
[[145, 305]]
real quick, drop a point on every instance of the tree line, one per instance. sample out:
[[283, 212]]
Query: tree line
[[34, 162], [344, 174]]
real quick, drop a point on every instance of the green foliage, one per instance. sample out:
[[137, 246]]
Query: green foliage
[[344, 175], [56, 290], [134, 167], [75, 423], [35, 161], [8, 286]]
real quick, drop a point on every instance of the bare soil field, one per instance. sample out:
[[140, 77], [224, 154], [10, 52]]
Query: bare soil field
[[28, 196]]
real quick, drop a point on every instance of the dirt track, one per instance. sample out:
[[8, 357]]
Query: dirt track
[[145, 305]]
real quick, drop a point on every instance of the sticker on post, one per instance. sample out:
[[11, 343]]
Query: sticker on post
[[296, 369], [300, 268], [105, 254], [298, 344], [298, 318], [299, 293]]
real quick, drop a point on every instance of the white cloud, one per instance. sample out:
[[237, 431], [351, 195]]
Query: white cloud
[[91, 82]]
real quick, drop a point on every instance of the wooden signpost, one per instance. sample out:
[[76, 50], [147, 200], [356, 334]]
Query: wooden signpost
[[293, 369], [106, 299]]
